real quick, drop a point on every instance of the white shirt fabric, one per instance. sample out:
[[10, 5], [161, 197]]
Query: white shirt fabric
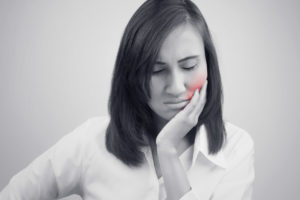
[[80, 164]]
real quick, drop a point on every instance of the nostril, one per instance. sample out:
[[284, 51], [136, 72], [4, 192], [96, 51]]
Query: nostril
[[176, 83], [176, 90]]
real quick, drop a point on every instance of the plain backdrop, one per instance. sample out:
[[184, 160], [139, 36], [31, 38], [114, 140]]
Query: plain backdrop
[[57, 57]]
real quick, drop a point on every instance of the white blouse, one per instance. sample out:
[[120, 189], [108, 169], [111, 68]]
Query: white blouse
[[80, 164]]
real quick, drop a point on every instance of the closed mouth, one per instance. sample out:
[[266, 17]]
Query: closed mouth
[[176, 104]]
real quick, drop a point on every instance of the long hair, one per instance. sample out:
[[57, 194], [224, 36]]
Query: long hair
[[131, 119]]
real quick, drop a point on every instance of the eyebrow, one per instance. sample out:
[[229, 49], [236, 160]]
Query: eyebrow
[[179, 61]]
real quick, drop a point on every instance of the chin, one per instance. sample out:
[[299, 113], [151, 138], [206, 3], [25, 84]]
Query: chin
[[168, 115], [164, 114]]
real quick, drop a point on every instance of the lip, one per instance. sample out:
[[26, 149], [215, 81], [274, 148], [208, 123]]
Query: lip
[[176, 104]]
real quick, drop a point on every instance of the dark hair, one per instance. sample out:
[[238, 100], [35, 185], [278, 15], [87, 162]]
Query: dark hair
[[131, 123]]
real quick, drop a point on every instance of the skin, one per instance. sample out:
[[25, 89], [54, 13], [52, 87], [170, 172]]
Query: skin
[[172, 82], [173, 79]]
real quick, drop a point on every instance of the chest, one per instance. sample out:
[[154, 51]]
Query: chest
[[110, 179], [107, 178]]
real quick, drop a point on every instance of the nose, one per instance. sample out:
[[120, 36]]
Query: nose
[[176, 85]]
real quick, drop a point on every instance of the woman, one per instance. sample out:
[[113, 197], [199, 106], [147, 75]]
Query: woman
[[165, 137]]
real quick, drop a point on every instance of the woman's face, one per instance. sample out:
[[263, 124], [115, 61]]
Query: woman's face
[[180, 69]]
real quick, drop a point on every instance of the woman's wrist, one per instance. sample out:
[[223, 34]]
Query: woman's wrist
[[166, 148]]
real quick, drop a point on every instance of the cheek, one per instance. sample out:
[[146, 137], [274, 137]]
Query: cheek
[[155, 88], [197, 81]]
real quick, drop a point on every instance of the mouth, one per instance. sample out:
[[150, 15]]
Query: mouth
[[176, 104]]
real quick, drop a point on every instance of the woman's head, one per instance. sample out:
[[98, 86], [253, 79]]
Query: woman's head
[[169, 35], [179, 69]]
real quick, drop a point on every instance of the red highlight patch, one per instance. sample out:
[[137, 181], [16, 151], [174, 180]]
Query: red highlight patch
[[197, 82]]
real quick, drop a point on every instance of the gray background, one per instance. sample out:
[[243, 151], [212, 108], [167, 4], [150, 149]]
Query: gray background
[[56, 60]]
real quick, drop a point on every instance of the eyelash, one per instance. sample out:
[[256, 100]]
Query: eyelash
[[185, 68], [157, 72], [190, 68]]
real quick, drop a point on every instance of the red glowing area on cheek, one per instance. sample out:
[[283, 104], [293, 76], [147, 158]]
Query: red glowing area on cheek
[[197, 82]]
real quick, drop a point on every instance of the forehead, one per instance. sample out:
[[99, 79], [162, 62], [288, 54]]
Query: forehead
[[184, 40]]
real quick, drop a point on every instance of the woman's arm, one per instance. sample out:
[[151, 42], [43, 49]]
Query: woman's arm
[[175, 178], [36, 181], [54, 174]]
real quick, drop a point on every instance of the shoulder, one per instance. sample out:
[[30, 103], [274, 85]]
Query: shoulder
[[89, 128], [237, 136], [97, 124], [84, 137], [239, 144], [95, 128]]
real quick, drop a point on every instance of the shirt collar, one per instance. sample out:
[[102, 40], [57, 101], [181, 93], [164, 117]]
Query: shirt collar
[[201, 146]]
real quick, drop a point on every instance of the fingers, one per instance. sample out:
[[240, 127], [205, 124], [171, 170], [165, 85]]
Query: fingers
[[192, 104], [201, 101], [203, 90], [197, 103]]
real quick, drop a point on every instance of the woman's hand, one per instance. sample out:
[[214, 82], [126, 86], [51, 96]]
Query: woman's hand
[[182, 122]]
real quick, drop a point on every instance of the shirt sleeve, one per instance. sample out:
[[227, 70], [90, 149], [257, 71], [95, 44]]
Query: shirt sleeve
[[237, 184], [54, 174]]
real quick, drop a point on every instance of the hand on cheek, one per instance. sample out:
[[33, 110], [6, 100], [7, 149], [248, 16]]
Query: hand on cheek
[[184, 120], [197, 83]]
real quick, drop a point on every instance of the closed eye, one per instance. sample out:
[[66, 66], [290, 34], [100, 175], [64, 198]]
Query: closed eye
[[190, 67], [158, 71]]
